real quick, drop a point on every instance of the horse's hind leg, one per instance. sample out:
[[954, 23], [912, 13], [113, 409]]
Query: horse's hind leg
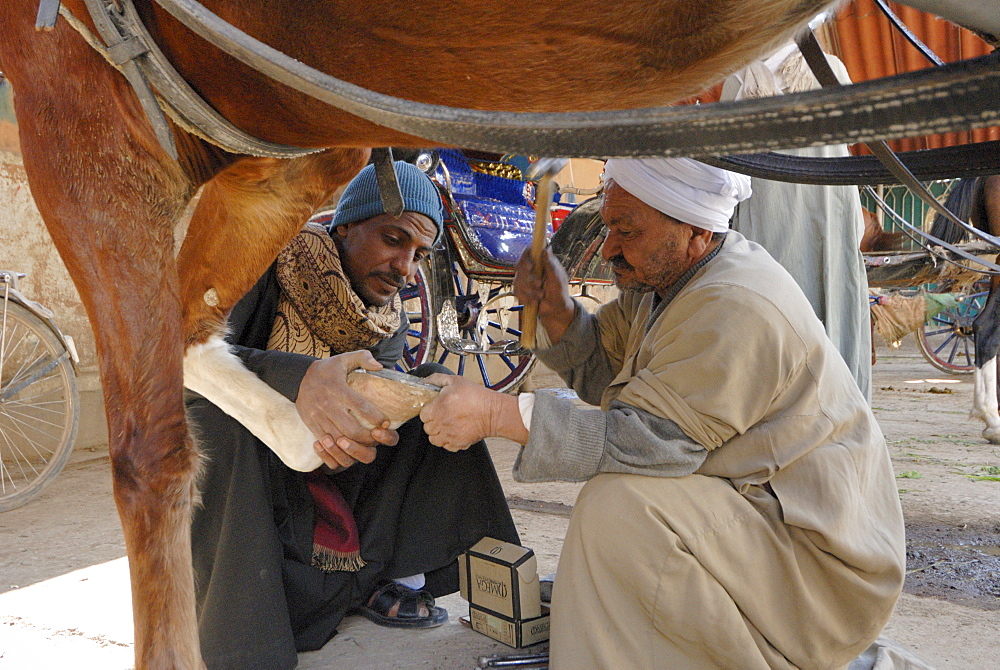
[[109, 197], [986, 332], [986, 327], [245, 216]]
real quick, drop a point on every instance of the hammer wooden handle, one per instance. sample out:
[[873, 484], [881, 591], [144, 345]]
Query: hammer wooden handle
[[543, 201]]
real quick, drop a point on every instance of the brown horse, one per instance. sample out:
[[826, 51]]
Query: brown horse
[[876, 238], [110, 196]]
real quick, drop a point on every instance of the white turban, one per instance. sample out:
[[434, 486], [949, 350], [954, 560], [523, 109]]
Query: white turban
[[682, 188]]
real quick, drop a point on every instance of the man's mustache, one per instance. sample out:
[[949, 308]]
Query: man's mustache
[[396, 280], [619, 263]]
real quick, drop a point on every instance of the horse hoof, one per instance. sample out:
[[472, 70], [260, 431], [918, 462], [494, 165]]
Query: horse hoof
[[992, 435], [288, 437]]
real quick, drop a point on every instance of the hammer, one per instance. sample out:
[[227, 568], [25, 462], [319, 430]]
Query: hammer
[[541, 171]]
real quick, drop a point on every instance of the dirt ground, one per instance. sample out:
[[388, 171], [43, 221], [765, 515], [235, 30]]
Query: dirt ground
[[63, 583]]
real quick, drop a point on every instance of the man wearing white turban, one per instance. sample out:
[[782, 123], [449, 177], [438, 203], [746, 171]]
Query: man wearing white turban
[[740, 509]]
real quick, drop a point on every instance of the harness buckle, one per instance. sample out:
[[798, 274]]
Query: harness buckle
[[127, 50]]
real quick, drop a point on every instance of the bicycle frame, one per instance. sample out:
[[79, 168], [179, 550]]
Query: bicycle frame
[[8, 280]]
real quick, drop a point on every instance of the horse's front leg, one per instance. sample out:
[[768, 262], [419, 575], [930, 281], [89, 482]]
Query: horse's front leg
[[986, 327], [984, 404], [244, 217], [109, 198]]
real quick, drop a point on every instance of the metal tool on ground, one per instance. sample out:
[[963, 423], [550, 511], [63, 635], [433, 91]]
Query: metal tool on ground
[[542, 170], [540, 660]]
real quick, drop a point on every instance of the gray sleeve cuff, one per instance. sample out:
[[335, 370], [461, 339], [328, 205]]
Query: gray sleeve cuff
[[642, 443], [565, 442], [578, 343]]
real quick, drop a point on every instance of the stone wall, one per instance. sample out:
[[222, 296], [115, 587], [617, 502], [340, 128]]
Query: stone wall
[[26, 247]]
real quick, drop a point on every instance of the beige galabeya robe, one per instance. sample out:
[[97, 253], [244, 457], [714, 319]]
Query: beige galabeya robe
[[786, 547]]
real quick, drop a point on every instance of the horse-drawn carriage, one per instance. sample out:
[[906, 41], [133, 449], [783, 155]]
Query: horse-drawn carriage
[[951, 279], [936, 296], [461, 308]]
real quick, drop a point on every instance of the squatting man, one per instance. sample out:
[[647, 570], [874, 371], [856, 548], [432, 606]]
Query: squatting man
[[739, 509]]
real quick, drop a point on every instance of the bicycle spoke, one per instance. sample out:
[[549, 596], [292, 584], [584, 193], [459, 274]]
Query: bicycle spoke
[[49, 406], [17, 456], [18, 453], [32, 419], [26, 359], [18, 425]]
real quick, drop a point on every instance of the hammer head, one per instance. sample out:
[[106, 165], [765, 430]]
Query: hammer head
[[545, 167]]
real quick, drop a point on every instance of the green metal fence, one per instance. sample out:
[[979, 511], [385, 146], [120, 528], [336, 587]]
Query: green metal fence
[[908, 206]]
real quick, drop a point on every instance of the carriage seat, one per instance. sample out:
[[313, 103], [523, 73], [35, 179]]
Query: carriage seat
[[498, 217]]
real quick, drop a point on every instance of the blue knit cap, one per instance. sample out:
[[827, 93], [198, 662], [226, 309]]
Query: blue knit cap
[[361, 199]]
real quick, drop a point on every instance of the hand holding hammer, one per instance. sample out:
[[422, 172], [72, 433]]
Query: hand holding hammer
[[542, 171]]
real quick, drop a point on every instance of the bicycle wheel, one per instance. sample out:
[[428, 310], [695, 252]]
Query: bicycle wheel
[[39, 406], [946, 339]]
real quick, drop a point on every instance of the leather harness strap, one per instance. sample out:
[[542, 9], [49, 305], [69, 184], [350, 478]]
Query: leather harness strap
[[816, 60], [957, 95], [898, 24], [980, 159], [388, 184], [911, 230], [48, 12], [132, 50]]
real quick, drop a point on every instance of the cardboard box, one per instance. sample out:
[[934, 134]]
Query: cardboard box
[[500, 582]]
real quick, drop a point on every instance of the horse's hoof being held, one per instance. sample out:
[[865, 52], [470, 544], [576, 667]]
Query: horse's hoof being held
[[211, 370]]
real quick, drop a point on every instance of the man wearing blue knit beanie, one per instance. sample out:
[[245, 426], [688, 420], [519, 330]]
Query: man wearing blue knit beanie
[[361, 220], [282, 556]]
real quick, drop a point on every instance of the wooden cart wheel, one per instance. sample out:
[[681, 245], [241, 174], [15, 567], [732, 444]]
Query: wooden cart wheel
[[498, 321], [946, 339], [488, 316]]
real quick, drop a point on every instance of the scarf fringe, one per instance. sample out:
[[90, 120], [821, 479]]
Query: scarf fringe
[[328, 560]]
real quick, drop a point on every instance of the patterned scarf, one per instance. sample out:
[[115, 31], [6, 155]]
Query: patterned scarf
[[319, 314]]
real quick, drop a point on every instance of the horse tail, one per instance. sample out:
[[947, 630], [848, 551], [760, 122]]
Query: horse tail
[[962, 202]]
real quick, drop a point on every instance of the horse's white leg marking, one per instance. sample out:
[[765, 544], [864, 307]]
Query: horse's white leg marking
[[985, 403], [212, 370]]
